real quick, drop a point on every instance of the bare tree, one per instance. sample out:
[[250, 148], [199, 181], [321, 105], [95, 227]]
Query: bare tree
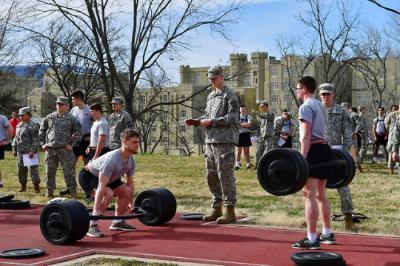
[[71, 60], [333, 26], [379, 4], [374, 55], [156, 29]]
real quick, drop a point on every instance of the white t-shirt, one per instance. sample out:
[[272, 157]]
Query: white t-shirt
[[100, 127], [4, 124], [83, 116]]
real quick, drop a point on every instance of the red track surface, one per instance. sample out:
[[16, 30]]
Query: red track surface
[[189, 241]]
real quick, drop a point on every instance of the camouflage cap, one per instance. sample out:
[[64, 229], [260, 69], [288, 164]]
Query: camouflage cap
[[62, 100], [23, 111], [119, 100], [326, 88], [263, 103], [215, 71]]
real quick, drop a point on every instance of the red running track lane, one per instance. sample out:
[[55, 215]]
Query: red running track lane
[[189, 241]]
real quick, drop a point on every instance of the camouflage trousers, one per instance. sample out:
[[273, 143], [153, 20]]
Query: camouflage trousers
[[220, 162], [363, 149], [53, 157], [346, 202], [23, 171], [264, 145]]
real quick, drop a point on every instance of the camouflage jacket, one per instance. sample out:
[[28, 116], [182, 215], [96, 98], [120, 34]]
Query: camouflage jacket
[[353, 121], [390, 125], [266, 121], [339, 130], [362, 126], [58, 131], [223, 110], [26, 137], [118, 122]]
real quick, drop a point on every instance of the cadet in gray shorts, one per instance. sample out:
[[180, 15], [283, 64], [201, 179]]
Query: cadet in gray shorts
[[105, 174]]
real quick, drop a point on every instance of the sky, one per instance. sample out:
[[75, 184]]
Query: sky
[[260, 24]]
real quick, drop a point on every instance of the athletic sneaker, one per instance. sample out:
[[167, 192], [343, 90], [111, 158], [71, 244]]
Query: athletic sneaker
[[330, 239], [121, 226], [94, 231], [306, 244]]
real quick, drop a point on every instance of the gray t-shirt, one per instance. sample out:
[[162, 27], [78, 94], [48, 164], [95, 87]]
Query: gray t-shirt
[[112, 165], [314, 112], [83, 116], [245, 119], [4, 124], [99, 127]]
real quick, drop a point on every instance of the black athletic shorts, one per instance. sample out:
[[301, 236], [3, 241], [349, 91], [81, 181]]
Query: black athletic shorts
[[380, 140], [89, 182], [81, 149], [93, 152], [319, 153], [2, 149], [244, 140]]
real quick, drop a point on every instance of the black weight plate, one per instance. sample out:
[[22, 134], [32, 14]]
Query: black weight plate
[[151, 202], [194, 216], [341, 176], [282, 171], [6, 198], [169, 204], [64, 222], [21, 253], [318, 259], [15, 204]]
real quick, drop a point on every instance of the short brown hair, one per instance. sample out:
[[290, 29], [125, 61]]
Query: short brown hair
[[309, 83], [129, 133], [96, 107]]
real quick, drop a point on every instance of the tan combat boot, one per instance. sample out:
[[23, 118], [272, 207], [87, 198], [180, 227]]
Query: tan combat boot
[[50, 193], [348, 219], [72, 191], [23, 187], [36, 187], [214, 215], [229, 216]]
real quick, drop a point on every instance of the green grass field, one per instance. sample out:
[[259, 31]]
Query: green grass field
[[375, 193]]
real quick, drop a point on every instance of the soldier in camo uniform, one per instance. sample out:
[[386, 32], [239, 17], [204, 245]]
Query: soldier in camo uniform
[[59, 132], [221, 123], [266, 139], [339, 133], [26, 141], [390, 127], [353, 121], [395, 141], [118, 122], [362, 132]]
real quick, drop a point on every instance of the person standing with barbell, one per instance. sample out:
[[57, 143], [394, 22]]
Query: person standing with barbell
[[313, 124], [339, 134], [221, 123]]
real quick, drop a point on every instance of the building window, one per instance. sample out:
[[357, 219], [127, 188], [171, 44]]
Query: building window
[[307, 71], [285, 72], [274, 72], [183, 114], [182, 128], [255, 73], [165, 140], [246, 80], [153, 140], [154, 129], [255, 62], [274, 98], [274, 85], [196, 78]]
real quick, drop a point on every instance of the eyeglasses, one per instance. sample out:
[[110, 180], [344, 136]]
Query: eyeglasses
[[60, 103]]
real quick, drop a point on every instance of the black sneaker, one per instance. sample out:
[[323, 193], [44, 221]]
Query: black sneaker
[[237, 167], [330, 239], [94, 231], [306, 244], [248, 167]]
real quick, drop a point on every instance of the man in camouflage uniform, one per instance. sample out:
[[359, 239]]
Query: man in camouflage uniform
[[221, 123], [339, 133], [390, 123], [362, 132], [26, 141], [353, 121], [59, 132], [118, 121], [266, 139]]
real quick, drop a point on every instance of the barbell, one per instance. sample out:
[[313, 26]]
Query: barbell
[[285, 171], [67, 221]]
